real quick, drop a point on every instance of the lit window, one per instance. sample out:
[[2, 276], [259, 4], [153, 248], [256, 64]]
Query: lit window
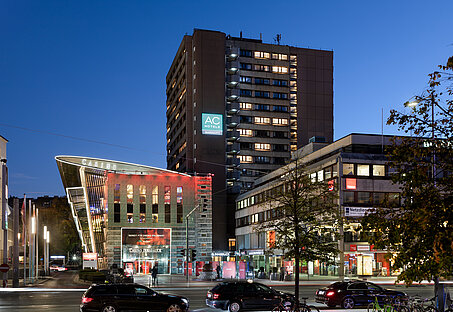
[[280, 121], [245, 106], [313, 177], [262, 55], [280, 69], [363, 170], [245, 132], [278, 56], [245, 79], [320, 176], [379, 170], [262, 146], [245, 159], [348, 169], [262, 120]]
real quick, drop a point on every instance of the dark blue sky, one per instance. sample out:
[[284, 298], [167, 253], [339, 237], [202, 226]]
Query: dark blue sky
[[96, 70]]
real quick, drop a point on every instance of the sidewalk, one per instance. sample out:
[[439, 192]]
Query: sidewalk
[[166, 281]]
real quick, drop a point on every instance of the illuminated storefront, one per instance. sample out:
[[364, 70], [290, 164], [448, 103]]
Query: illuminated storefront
[[133, 216]]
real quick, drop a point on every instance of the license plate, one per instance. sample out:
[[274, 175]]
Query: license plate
[[321, 292]]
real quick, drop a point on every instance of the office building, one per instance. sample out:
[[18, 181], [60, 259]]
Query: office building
[[134, 216], [237, 107], [357, 165]]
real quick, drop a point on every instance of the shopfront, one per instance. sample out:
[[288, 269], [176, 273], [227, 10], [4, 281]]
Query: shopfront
[[144, 248]]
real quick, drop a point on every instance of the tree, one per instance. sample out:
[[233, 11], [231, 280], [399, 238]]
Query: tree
[[305, 218], [419, 234]]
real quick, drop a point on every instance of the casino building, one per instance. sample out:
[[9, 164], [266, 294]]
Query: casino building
[[134, 216]]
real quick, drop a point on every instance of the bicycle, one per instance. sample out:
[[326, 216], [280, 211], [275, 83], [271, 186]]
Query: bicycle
[[286, 305], [375, 307]]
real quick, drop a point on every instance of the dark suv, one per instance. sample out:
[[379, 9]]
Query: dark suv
[[355, 293], [130, 297], [236, 296]]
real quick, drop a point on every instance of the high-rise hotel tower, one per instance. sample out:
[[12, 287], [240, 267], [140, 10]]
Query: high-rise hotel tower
[[237, 107]]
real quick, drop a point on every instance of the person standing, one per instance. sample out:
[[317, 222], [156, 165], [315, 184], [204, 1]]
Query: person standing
[[218, 271], [154, 275]]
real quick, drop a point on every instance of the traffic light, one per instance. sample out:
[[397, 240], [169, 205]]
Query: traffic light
[[182, 252], [194, 255]]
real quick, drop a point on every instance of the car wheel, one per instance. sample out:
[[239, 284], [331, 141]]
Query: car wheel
[[234, 307], [348, 303], [109, 308], [174, 308]]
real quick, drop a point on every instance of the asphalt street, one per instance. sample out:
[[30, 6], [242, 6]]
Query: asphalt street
[[59, 294]]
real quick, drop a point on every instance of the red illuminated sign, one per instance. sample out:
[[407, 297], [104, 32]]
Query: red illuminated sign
[[353, 248], [87, 256], [351, 184]]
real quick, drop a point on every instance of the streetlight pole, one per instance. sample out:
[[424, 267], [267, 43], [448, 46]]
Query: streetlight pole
[[45, 249], [187, 240]]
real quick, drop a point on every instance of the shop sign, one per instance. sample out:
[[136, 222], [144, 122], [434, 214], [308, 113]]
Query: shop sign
[[363, 248], [256, 252], [212, 124], [220, 253], [351, 184], [352, 247], [90, 260], [98, 164], [356, 211]]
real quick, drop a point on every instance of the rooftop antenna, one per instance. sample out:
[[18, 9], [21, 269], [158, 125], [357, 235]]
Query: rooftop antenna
[[278, 38], [261, 36], [241, 34]]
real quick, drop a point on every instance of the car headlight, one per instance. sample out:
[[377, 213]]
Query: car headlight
[[186, 302]]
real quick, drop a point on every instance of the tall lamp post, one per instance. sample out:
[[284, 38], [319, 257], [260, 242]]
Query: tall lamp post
[[45, 249], [187, 240], [439, 288]]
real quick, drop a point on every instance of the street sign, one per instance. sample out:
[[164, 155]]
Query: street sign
[[4, 268]]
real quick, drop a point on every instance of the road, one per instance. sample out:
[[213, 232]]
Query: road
[[66, 298]]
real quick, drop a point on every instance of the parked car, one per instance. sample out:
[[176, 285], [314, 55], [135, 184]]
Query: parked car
[[236, 296], [130, 297], [355, 293]]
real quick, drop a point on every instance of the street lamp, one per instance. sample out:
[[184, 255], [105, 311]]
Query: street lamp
[[45, 251]]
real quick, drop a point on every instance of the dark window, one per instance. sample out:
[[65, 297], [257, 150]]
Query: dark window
[[126, 290], [262, 94], [262, 133], [246, 119], [279, 160], [280, 134], [282, 83], [264, 68], [348, 197], [130, 208], [179, 216], [262, 81], [142, 208], [280, 108], [103, 291], [280, 147], [246, 66], [245, 146], [246, 92], [261, 160], [167, 213], [358, 286], [363, 197], [261, 107], [278, 95], [246, 53], [116, 212]]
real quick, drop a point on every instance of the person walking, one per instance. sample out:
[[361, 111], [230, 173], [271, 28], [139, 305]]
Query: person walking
[[218, 271], [154, 275]]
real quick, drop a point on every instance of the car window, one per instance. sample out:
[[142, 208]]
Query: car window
[[358, 286], [238, 288], [250, 289], [373, 287], [263, 288], [103, 291], [126, 290], [141, 291]]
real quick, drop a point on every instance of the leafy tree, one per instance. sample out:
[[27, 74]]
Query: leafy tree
[[305, 218], [419, 235]]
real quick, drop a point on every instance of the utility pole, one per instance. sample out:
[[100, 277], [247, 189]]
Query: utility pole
[[4, 191], [187, 239], [24, 236], [45, 249], [37, 244], [29, 240], [16, 243]]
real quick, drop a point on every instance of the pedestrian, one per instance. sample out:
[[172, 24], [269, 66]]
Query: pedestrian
[[282, 273], [218, 271], [154, 275]]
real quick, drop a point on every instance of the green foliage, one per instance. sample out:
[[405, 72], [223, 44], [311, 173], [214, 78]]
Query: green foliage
[[305, 217], [419, 235], [55, 212]]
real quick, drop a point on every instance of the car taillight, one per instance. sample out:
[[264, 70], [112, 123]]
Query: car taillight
[[86, 299], [330, 293], [215, 296]]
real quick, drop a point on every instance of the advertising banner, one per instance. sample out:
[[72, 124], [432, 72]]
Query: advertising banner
[[229, 269], [212, 124]]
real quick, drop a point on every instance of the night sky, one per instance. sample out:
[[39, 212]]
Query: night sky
[[87, 78]]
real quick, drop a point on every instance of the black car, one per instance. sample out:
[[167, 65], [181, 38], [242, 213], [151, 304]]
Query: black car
[[129, 297], [236, 296], [355, 293]]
